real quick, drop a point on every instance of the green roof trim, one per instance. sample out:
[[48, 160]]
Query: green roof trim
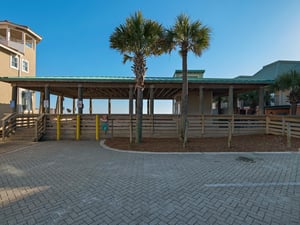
[[191, 71], [115, 79]]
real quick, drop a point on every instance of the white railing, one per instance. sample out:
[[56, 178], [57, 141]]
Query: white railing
[[17, 45]]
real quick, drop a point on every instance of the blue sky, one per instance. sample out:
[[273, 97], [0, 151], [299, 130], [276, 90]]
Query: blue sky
[[246, 34]]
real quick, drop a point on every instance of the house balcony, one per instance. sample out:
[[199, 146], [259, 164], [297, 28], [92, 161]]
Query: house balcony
[[17, 45]]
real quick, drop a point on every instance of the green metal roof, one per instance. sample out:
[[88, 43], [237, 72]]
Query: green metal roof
[[275, 69], [190, 73], [113, 79]]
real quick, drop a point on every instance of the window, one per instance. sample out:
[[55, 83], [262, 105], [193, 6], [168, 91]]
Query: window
[[29, 41], [25, 66], [14, 61]]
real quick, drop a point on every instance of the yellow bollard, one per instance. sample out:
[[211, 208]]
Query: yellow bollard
[[97, 127], [77, 127], [58, 128]]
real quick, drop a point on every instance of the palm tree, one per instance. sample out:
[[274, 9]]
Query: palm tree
[[251, 99], [137, 39], [289, 81], [188, 36]]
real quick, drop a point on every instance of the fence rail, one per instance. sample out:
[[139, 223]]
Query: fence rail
[[8, 125], [86, 127], [40, 127], [161, 126], [283, 125], [12, 122]]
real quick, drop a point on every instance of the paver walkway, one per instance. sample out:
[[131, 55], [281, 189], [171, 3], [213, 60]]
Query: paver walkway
[[82, 183]]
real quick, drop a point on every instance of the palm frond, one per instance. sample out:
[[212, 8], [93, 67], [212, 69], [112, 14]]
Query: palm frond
[[126, 58], [287, 81], [190, 36]]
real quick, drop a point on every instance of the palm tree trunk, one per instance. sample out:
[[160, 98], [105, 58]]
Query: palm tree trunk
[[139, 69], [139, 116], [184, 99]]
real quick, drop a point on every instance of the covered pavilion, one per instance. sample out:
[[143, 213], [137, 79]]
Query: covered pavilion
[[113, 87]]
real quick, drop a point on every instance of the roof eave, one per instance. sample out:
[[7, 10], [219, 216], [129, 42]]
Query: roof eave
[[37, 37], [132, 80]]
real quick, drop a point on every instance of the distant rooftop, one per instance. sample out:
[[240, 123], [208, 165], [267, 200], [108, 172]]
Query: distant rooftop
[[191, 73], [277, 68]]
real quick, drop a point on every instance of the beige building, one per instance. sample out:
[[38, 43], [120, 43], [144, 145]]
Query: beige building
[[17, 59]]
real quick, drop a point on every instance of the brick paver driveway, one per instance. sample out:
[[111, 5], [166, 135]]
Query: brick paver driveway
[[82, 183]]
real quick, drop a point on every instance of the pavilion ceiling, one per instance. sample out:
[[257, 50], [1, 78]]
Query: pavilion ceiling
[[120, 88]]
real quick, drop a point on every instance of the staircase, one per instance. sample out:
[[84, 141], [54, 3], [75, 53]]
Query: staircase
[[22, 134], [22, 127]]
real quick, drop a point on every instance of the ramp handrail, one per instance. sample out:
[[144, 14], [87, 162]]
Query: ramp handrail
[[8, 125], [40, 127]]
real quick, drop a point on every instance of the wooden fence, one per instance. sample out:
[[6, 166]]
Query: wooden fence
[[283, 125], [168, 126], [88, 127]]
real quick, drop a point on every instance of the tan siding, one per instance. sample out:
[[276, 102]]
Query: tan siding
[[30, 56], [5, 95], [5, 69], [194, 102]]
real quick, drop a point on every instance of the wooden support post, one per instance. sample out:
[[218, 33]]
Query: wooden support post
[[77, 127], [178, 125], [58, 127], [80, 100], [112, 128], [288, 134], [91, 106], [229, 134], [151, 105], [261, 101], [283, 126], [235, 97], [230, 100], [202, 125], [61, 104], [201, 100], [14, 98], [267, 124], [97, 127], [47, 99], [232, 124], [42, 98], [57, 106], [74, 106], [219, 103], [109, 106]]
